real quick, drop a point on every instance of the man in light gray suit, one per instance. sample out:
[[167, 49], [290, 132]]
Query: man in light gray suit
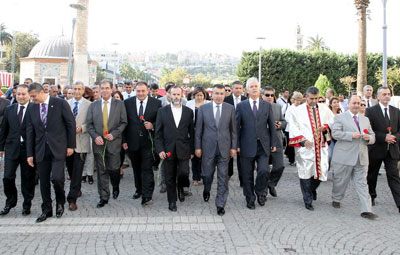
[[353, 133], [216, 143], [106, 132], [75, 162]]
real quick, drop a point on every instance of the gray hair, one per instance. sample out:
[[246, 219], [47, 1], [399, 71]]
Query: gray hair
[[79, 83], [250, 81], [312, 91], [53, 87], [367, 87], [95, 87], [381, 88], [67, 87]]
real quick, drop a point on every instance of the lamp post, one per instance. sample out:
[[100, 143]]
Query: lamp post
[[13, 54], [259, 59], [384, 54]]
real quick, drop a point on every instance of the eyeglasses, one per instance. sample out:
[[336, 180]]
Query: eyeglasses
[[269, 95], [363, 105]]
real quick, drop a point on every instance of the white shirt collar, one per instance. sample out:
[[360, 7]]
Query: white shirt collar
[[352, 114], [144, 101], [102, 100], [251, 101], [215, 104], [47, 100], [383, 107], [24, 105]]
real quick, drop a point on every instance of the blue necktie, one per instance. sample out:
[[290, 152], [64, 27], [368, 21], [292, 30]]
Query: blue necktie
[[75, 110]]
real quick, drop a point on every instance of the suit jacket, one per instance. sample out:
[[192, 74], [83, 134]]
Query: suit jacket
[[379, 149], [348, 150], [82, 139], [209, 137], [116, 124], [278, 116], [251, 128], [169, 138], [135, 126], [12, 131], [229, 99], [3, 104], [59, 132]]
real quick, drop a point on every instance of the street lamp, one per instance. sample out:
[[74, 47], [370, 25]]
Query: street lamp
[[71, 44], [384, 54], [259, 58]]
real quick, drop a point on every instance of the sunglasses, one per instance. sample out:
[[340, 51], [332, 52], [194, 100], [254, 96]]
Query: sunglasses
[[363, 105], [321, 101], [227, 90], [269, 95]]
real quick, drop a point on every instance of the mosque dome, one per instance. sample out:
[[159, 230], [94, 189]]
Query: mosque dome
[[54, 47]]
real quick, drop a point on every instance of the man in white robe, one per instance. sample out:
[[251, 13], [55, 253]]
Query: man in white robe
[[309, 134]]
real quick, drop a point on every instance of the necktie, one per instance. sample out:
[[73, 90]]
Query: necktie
[[129, 96], [218, 115], [141, 109], [368, 105], [105, 116], [21, 113], [255, 108], [387, 117], [43, 113], [356, 121], [75, 110]]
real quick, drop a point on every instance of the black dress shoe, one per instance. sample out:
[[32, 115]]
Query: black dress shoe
[[261, 200], [115, 193], [369, 215], [59, 210], [206, 196], [251, 205], [181, 194], [136, 195], [146, 201], [26, 212], [314, 195], [220, 211], [309, 207], [44, 216], [272, 191], [336, 204], [172, 207], [6, 210], [90, 179], [83, 179], [102, 203]]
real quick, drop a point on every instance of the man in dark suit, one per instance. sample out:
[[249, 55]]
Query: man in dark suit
[[234, 99], [12, 140], [175, 144], [3, 104], [106, 121], [216, 143], [385, 122], [50, 137], [138, 140], [256, 142], [154, 91]]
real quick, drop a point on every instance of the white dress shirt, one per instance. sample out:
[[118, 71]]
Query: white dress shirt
[[251, 103], [383, 109], [177, 113], [23, 113], [236, 100], [144, 105], [126, 95], [108, 105]]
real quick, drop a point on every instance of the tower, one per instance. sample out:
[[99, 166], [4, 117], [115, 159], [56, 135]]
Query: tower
[[81, 69]]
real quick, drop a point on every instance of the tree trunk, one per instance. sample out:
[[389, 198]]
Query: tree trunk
[[362, 51]]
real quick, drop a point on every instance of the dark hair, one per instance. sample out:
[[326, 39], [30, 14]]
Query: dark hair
[[22, 86], [139, 83], [330, 104], [128, 82], [36, 87], [119, 94], [107, 81], [269, 88], [229, 86], [312, 91], [237, 83], [199, 90], [29, 79], [154, 86], [219, 86], [176, 87], [45, 83], [88, 94]]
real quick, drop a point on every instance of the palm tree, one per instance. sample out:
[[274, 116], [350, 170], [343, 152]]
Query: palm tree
[[316, 44], [361, 6], [5, 38]]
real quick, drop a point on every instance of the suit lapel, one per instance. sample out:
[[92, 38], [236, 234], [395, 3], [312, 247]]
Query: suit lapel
[[50, 110], [211, 112], [260, 107], [392, 116], [16, 114], [248, 107], [351, 120], [170, 115]]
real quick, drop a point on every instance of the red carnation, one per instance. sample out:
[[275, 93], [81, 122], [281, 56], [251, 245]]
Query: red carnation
[[389, 128], [168, 154], [105, 133], [141, 117], [365, 131]]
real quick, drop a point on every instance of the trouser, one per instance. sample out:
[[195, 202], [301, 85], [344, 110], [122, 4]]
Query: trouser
[[176, 176], [289, 151], [107, 170], [277, 167], [51, 169], [88, 168], [142, 164], [196, 168], [308, 187], [27, 180], [238, 164], [248, 174], [75, 164], [208, 170], [392, 175], [342, 174]]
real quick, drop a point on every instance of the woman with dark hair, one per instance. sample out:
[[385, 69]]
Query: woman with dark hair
[[117, 95], [334, 105], [88, 94], [199, 98]]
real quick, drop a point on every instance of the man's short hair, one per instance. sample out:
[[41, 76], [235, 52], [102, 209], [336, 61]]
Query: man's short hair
[[252, 80], [128, 82], [109, 82], [168, 86], [35, 87], [95, 87], [54, 87], [141, 83], [44, 83], [382, 88], [22, 86], [154, 86], [237, 83], [227, 86], [219, 86], [269, 88], [80, 83], [367, 87], [176, 87], [29, 79], [312, 91]]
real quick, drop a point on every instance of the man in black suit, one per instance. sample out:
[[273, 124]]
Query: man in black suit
[[175, 144], [50, 137], [12, 140], [256, 142], [138, 139], [3, 104], [154, 91], [235, 98], [385, 122]]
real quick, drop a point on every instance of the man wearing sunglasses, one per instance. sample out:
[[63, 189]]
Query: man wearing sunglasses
[[228, 90]]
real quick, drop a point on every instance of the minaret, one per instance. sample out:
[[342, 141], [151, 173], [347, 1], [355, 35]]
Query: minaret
[[81, 68], [299, 38]]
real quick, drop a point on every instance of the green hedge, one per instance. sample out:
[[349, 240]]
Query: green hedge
[[298, 70]]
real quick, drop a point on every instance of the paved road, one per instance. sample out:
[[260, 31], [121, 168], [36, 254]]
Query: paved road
[[282, 226]]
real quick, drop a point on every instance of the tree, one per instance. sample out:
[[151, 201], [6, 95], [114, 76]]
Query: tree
[[176, 76], [348, 82], [202, 79], [24, 42], [316, 44], [361, 6], [128, 72], [100, 74], [393, 77], [5, 38], [323, 84]]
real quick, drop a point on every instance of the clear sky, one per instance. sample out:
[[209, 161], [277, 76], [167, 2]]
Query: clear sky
[[222, 26]]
